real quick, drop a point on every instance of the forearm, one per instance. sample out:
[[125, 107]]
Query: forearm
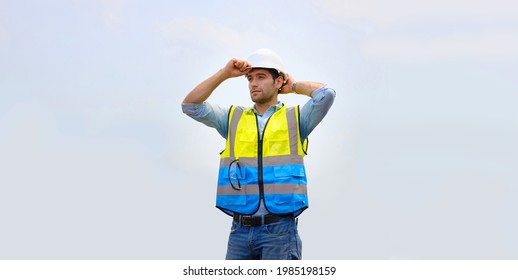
[[202, 91], [234, 68], [315, 109], [306, 88]]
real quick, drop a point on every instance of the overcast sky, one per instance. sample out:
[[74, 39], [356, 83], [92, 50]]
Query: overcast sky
[[416, 159]]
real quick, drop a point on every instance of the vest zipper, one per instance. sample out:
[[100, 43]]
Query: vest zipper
[[260, 160]]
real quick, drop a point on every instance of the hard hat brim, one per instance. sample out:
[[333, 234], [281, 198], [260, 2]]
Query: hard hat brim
[[265, 67]]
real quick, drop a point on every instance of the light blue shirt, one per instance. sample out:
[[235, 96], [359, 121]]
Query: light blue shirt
[[310, 116]]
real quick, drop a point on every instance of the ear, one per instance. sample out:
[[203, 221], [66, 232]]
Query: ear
[[279, 82]]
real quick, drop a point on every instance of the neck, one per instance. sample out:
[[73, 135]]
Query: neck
[[262, 107]]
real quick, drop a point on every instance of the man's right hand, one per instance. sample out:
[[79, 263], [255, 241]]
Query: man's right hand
[[234, 68], [237, 67]]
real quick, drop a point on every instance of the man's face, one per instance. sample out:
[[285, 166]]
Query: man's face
[[263, 88]]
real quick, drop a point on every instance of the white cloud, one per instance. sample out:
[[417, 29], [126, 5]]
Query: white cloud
[[111, 11], [485, 46], [428, 30], [389, 12], [200, 33]]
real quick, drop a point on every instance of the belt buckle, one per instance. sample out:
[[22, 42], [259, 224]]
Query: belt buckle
[[247, 221]]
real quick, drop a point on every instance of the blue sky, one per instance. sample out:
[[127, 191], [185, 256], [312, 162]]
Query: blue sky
[[416, 159]]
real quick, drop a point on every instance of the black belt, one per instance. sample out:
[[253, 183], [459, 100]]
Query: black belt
[[253, 221]]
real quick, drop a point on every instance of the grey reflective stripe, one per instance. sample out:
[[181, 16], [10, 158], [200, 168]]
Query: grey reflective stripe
[[232, 127], [246, 189], [267, 161], [243, 161], [282, 160], [285, 189], [293, 128]]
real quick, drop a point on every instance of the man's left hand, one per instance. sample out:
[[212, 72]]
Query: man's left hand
[[288, 84]]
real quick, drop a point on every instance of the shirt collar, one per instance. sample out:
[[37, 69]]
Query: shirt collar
[[275, 108]]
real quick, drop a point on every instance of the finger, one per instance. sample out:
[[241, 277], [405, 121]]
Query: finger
[[240, 63], [244, 65], [246, 68]]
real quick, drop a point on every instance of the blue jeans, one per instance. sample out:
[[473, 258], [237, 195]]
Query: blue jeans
[[275, 241]]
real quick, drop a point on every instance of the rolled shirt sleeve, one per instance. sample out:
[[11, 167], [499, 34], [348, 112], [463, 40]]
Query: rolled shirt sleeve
[[208, 114], [312, 113]]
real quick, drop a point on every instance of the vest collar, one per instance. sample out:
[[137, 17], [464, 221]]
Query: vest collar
[[275, 108]]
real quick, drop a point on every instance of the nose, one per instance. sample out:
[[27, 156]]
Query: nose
[[252, 83]]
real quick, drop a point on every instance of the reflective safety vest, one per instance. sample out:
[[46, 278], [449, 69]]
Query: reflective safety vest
[[268, 166]]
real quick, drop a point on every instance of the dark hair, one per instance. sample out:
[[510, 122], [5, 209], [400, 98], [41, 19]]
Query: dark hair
[[275, 74]]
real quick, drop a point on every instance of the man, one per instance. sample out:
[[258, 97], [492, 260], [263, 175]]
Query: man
[[262, 180]]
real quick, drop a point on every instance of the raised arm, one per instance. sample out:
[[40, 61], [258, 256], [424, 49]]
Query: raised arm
[[306, 88], [316, 108], [234, 68]]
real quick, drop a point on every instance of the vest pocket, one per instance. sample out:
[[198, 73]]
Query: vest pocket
[[232, 200], [277, 147], [289, 173], [287, 179]]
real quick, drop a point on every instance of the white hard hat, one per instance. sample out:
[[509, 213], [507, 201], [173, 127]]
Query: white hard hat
[[266, 58]]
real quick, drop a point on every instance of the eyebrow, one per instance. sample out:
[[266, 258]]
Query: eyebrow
[[256, 74]]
